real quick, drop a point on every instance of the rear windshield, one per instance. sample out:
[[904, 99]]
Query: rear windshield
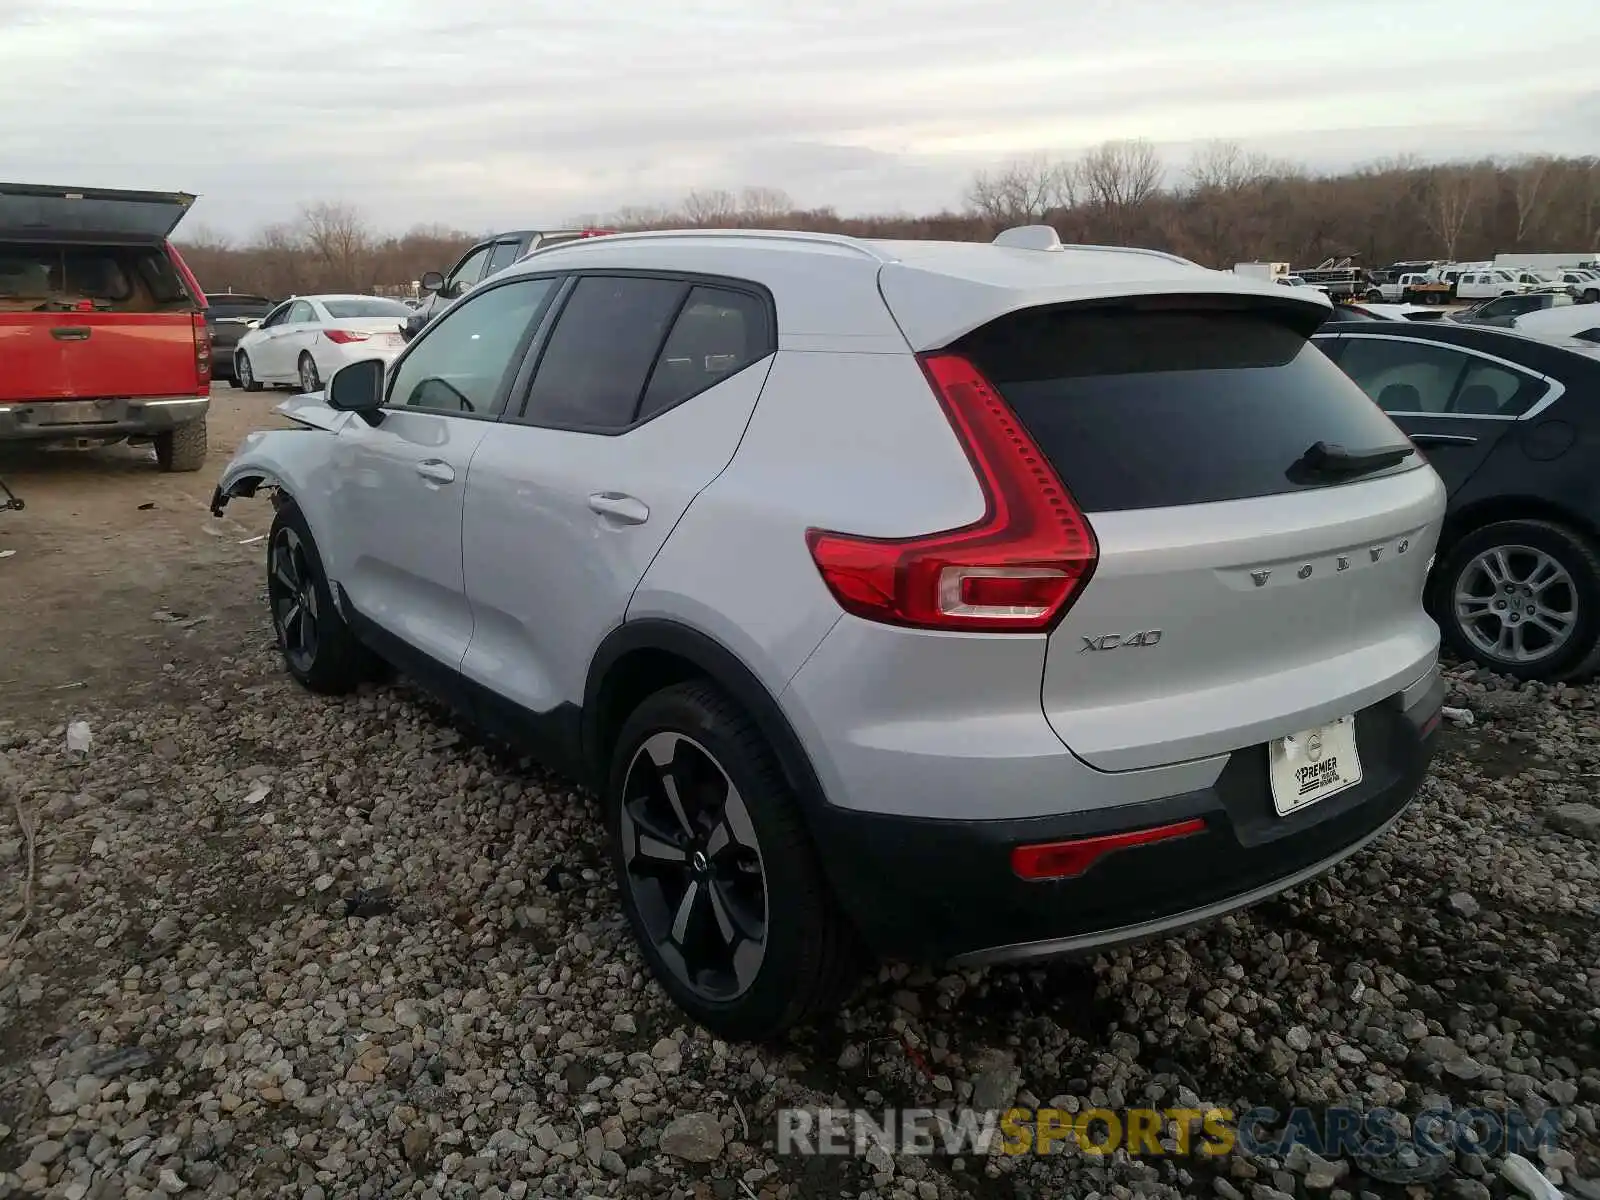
[[1144, 409], [237, 306], [44, 276], [350, 309]]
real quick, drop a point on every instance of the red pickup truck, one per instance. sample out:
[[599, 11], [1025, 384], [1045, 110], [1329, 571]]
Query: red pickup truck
[[102, 326]]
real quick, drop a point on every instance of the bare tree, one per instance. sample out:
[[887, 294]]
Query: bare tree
[[764, 205], [1448, 196], [206, 240], [713, 208], [1120, 178], [338, 236], [1223, 166], [1023, 191], [1527, 187], [1227, 206]]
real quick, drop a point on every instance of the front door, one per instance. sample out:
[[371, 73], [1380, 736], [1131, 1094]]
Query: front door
[[403, 479]]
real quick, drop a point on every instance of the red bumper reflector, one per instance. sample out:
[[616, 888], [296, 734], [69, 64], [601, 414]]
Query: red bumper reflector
[[1430, 725], [1067, 860]]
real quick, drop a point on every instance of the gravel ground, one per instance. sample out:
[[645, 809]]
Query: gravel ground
[[282, 946]]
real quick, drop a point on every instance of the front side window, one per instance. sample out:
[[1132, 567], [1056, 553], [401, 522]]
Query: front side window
[[299, 313], [468, 272], [503, 255], [464, 360], [598, 359], [277, 316]]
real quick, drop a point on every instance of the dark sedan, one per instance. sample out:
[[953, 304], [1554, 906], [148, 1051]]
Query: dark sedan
[[228, 317], [1512, 425]]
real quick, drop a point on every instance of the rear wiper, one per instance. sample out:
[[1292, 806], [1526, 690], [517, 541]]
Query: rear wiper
[[1325, 459]]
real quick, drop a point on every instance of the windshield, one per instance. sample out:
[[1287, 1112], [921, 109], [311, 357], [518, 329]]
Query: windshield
[[365, 306]]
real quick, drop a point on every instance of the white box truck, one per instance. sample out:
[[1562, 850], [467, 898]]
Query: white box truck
[[1519, 258]]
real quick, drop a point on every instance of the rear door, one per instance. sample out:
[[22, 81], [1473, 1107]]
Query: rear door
[[1239, 596], [642, 391], [1454, 404]]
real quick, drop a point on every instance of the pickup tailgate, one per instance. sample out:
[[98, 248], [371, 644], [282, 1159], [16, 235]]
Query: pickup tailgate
[[92, 355]]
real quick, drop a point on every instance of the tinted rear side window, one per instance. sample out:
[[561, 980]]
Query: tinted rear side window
[[598, 357], [1144, 408]]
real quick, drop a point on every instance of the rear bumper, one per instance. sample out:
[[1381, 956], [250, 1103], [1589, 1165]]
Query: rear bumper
[[944, 890], [57, 420]]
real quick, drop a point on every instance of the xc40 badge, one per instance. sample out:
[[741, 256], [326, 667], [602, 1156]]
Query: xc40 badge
[[1120, 641]]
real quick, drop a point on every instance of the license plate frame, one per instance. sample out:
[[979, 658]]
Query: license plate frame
[[1308, 767]]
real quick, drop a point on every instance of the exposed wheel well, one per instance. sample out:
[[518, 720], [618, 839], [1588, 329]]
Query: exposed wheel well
[[642, 657], [1512, 508], [639, 673]]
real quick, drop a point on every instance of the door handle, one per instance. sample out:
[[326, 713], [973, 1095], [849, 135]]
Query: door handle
[[70, 333], [620, 507], [1443, 439], [436, 471]]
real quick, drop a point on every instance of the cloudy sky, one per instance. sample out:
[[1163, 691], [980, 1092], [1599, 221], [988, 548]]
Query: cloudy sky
[[485, 113]]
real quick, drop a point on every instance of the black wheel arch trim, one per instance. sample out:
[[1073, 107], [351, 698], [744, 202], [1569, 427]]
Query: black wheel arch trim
[[244, 488], [717, 663], [1497, 508]]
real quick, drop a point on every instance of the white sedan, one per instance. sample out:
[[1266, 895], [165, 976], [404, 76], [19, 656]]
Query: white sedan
[[303, 341]]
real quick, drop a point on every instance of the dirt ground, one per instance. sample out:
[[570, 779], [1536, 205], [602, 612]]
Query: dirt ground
[[119, 572]]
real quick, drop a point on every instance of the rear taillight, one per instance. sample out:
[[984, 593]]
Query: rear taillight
[[344, 337], [202, 354], [1016, 569]]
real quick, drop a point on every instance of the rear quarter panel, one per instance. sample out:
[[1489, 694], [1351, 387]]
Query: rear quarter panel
[[845, 441]]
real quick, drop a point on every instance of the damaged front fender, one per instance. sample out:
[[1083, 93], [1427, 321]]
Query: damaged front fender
[[288, 460]]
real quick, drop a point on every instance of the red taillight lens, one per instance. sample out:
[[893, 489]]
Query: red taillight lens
[[202, 354], [1017, 568], [344, 337], [1067, 860]]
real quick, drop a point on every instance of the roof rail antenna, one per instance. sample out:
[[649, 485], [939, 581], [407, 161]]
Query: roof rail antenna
[[1030, 237]]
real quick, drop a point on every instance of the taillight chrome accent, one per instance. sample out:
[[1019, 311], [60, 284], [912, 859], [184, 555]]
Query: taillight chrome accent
[[1017, 568]]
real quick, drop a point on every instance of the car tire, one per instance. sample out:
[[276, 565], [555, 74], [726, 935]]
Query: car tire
[[1553, 574], [1374, 296], [1592, 296], [318, 647], [310, 380], [182, 448], [245, 373], [733, 842]]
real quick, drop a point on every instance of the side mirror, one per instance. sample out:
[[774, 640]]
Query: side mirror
[[253, 323], [358, 388], [432, 281]]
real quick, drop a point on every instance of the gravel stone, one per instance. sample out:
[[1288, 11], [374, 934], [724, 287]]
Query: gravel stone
[[693, 1137], [188, 1010], [1580, 820]]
